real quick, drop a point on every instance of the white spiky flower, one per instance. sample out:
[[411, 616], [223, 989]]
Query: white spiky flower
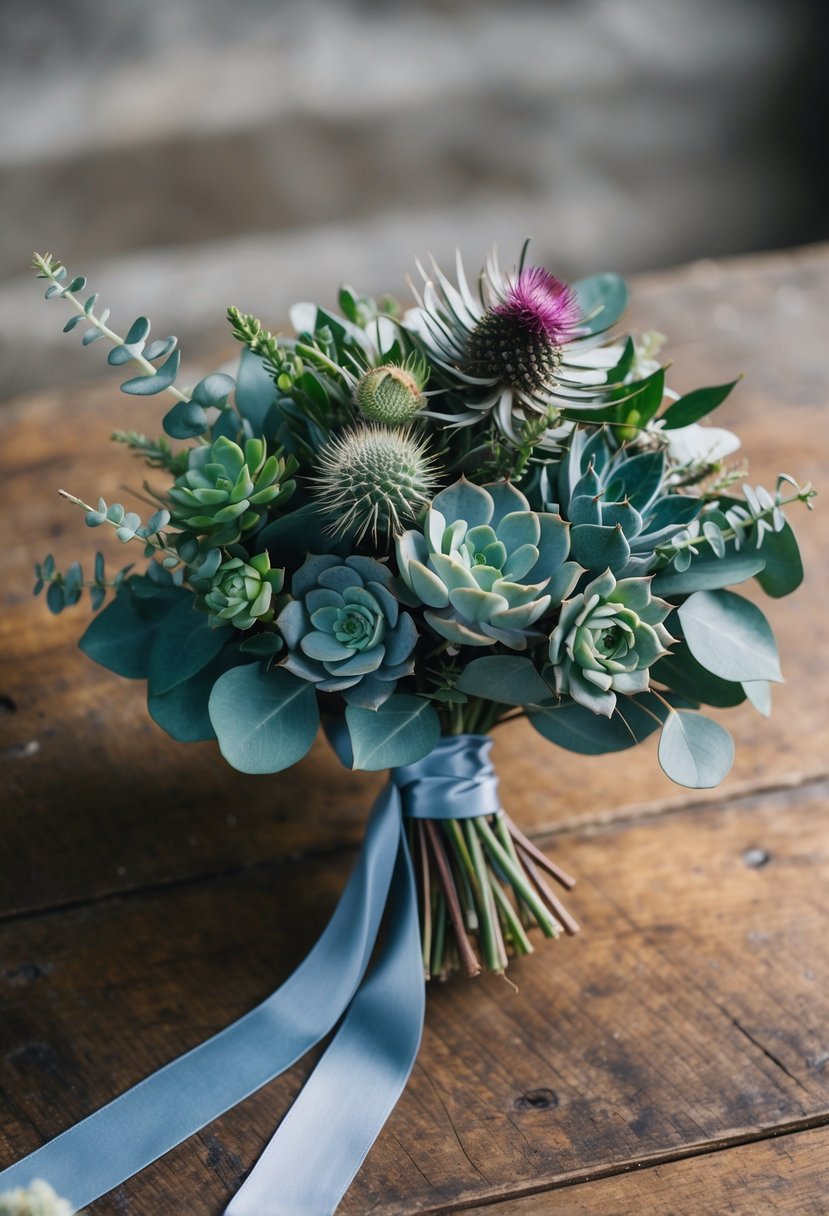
[[525, 346], [373, 479], [37, 1200]]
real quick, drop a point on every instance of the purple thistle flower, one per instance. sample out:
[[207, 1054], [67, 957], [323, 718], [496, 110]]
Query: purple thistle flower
[[542, 304]]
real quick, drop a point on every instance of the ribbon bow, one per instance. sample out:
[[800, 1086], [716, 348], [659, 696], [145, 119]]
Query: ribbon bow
[[322, 1141]]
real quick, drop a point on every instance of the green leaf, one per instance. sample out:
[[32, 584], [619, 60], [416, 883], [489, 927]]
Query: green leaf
[[730, 636], [696, 405], [603, 298], [184, 644], [759, 694], [213, 390], [186, 420], [147, 386], [710, 574], [694, 751], [255, 390], [680, 672], [783, 570], [507, 679], [121, 638], [183, 711], [265, 721], [404, 729], [577, 729]]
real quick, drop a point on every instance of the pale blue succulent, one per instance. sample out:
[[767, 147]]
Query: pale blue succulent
[[344, 629], [486, 567], [607, 638]]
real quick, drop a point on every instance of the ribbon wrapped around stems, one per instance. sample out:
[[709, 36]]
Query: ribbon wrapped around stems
[[322, 1141]]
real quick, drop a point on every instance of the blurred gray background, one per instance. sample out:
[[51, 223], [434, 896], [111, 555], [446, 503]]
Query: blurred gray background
[[188, 154]]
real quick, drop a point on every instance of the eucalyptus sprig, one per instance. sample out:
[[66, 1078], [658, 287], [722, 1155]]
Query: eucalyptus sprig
[[130, 349]]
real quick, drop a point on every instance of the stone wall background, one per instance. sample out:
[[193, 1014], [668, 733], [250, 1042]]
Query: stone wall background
[[187, 154]]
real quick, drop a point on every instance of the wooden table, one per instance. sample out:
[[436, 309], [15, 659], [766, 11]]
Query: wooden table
[[673, 1058]]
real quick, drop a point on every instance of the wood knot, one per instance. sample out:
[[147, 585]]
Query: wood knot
[[537, 1099]]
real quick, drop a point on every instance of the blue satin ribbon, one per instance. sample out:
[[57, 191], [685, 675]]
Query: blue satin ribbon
[[322, 1141]]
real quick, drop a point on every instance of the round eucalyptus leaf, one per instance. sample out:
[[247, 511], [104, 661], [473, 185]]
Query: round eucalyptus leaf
[[730, 636], [695, 751], [265, 721], [404, 729]]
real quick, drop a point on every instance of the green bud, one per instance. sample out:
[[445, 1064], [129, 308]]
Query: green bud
[[390, 394]]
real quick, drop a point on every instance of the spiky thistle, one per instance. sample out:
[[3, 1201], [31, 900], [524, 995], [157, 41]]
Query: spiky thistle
[[374, 480], [519, 349]]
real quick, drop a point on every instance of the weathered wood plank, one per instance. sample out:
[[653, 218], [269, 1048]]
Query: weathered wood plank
[[692, 1010], [786, 1174], [80, 741]]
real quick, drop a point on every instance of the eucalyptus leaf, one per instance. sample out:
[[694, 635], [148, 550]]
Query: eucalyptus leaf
[[695, 751], [121, 637], [710, 574], [759, 694], [506, 679], [681, 672], [403, 730], [186, 420], [730, 636], [782, 572], [577, 729], [184, 644], [265, 720], [183, 711], [255, 390], [602, 298], [147, 386]]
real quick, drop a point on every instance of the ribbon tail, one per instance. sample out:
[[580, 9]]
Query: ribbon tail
[[166, 1108], [323, 1140]]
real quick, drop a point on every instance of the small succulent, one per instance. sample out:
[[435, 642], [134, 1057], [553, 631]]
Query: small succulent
[[618, 503], [485, 566], [607, 638], [226, 490], [37, 1200], [393, 393], [345, 631], [242, 591], [373, 479]]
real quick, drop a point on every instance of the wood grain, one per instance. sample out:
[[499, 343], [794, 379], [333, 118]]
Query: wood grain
[[692, 1010], [80, 737], [785, 1174]]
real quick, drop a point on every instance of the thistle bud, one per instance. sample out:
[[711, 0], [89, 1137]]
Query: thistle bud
[[391, 394]]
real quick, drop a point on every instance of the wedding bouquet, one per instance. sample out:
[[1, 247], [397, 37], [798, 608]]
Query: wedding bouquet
[[411, 526]]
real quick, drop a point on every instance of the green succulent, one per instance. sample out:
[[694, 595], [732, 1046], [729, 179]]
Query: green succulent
[[486, 567], [618, 504], [226, 490], [345, 631], [607, 638], [242, 591]]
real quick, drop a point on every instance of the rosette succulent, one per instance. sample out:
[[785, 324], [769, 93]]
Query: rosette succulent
[[524, 347], [607, 638], [485, 566], [345, 631], [618, 503], [242, 591], [226, 490]]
